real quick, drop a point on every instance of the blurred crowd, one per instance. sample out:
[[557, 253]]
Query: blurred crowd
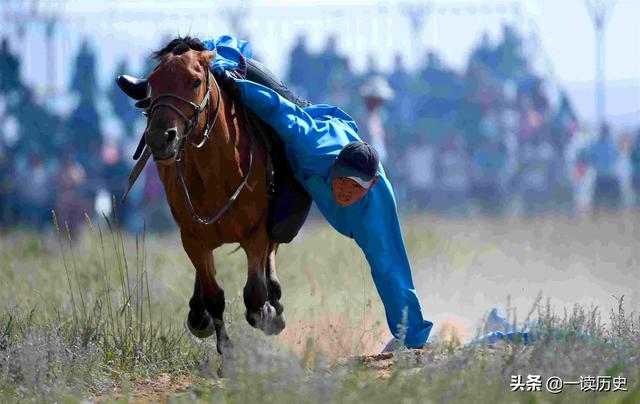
[[64, 162], [492, 139]]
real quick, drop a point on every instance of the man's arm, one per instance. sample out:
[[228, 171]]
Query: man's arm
[[380, 238]]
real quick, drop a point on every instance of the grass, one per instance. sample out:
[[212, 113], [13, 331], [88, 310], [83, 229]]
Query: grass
[[103, 317]]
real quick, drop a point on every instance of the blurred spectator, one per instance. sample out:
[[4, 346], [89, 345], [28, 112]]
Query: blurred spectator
[[487, 175], [34, 193], [115, 175], [489, 133], [451, 191], [603, 156], [418, 169], [635, 168], [71, 203], [7, 215], [156, 210], [536, 164], [85, 136], [375, 92]]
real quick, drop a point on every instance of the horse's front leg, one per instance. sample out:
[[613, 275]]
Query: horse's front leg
[[199, 321], [273, 285], [207, 302], [259, 290]]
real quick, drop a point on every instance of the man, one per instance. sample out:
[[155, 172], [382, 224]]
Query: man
[[604, 156], [634, 159], [345, 179]]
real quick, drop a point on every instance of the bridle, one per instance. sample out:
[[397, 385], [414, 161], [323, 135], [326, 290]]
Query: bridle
[[192, 123]]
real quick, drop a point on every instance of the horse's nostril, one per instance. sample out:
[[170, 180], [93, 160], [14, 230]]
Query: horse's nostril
[[170, 134]]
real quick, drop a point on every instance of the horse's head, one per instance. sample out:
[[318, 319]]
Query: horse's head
[[181, 92]]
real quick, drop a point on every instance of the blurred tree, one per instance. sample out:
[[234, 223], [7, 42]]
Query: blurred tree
[[84, 80], [483, 53], [299, 66], [122, 104], [330, 71], [401, 108], [9, 70], [511, 61], [38, 128], [83, 125], [439, 94]]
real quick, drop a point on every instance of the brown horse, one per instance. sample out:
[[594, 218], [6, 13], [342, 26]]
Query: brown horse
[[215, 183]]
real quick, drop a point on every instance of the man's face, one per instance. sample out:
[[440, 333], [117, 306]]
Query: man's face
[[346, 191]]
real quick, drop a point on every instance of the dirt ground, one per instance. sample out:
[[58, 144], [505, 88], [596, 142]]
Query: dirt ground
[[163, 386]]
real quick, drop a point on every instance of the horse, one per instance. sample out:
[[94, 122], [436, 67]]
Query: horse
[[214, 177]]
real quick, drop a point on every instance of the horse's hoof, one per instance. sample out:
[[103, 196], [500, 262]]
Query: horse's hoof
[[276, 325], [267, 320], [203, 333]]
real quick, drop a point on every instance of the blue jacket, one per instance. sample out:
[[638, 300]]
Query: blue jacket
[[313, 138]]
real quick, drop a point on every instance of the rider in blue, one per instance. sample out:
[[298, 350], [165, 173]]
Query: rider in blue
[[344, 177]]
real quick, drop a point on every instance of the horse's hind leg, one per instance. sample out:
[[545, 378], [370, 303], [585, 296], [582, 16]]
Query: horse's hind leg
[[259, 289], [212, 295]]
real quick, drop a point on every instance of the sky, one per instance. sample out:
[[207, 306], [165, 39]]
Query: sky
[[559, 33]]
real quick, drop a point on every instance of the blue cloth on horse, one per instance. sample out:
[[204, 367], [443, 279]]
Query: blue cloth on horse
[[228, 50], [313, 137]]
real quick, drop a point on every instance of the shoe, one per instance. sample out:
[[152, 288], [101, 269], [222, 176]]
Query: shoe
[[133, 87]]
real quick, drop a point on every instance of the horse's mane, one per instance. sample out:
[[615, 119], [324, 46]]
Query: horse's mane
[[178, 46]]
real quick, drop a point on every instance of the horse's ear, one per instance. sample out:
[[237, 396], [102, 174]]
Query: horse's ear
[[207, 57]]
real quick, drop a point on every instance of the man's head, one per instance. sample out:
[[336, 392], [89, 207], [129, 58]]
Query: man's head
[[354, 172]]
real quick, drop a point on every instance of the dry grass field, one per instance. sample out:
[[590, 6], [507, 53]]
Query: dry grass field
[[102, 319]]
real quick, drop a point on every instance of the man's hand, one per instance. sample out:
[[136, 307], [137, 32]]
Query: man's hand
[[226, 80]]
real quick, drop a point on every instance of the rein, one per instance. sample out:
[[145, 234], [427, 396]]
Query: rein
[[191, 124]]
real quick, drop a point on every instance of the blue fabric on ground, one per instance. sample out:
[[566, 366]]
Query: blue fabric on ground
[[525, 337]]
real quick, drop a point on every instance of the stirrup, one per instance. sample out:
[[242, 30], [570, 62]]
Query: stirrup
[[133, 87]]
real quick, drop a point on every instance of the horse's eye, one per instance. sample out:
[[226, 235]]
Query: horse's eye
[[197, 83]]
